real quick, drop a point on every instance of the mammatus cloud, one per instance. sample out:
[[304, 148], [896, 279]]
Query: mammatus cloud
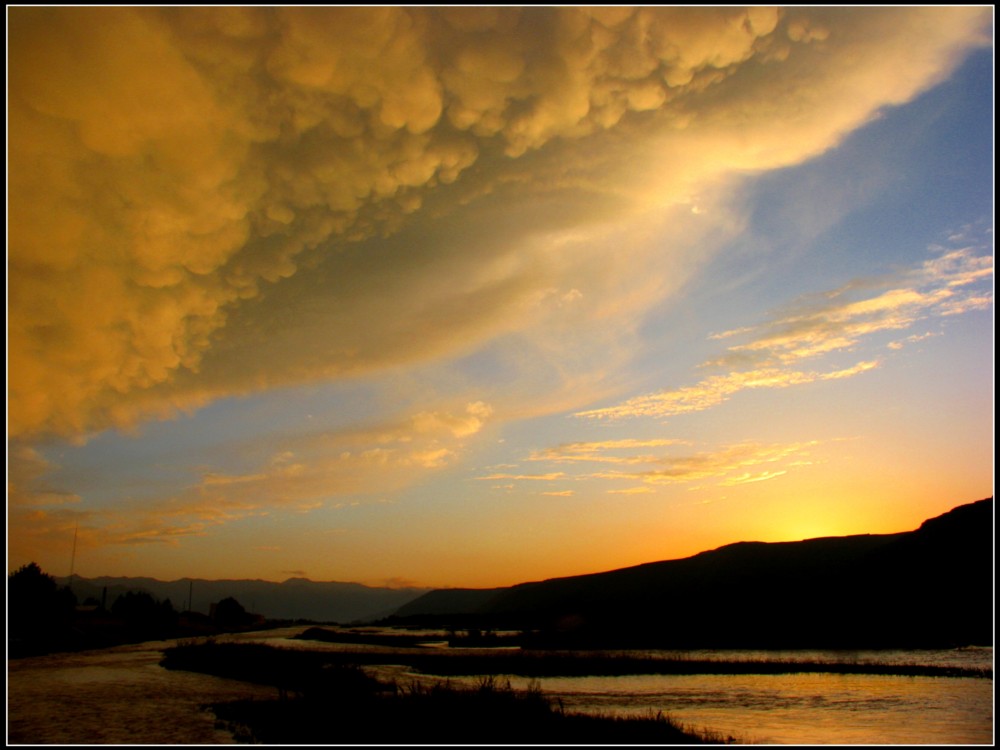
[[839, 321], [364, 187]]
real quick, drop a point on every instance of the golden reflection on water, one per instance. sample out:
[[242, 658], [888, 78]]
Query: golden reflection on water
[[797, 708], [115, 696], [122, 696]]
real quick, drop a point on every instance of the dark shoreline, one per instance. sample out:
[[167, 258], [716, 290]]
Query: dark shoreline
[[257, 662], [325, 696], [585, 663], [330, 701]]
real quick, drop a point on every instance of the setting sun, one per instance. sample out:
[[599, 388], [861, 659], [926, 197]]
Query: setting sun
[[468, 297], [500, 375]]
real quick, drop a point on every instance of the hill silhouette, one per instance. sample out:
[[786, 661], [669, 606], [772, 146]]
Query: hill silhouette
[[295, 598], [931, 587]]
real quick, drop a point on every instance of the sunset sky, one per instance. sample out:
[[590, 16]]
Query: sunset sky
[[475, 296]]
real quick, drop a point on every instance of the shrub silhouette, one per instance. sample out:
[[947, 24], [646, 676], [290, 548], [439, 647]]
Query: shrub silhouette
[[230, 613], [36, 606], [140, 610], [326, 702]]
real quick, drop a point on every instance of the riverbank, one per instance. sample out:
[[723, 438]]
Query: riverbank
[[123, 696], [322, 700], [540, 663]]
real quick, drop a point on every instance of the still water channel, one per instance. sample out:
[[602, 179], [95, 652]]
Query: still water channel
[[122, 696]]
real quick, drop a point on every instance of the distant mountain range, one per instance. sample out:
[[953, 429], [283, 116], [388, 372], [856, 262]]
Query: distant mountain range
[[932, 587], [296, 598]]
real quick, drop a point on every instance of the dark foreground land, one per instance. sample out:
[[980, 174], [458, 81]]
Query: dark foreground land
[[326, 697], [558, 663], [326, 701], [927, 588]]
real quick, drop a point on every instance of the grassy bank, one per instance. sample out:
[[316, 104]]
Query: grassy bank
[[321, 701], [586, 663]]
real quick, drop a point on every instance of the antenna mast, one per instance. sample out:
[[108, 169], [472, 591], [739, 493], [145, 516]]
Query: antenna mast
[[72, 560]]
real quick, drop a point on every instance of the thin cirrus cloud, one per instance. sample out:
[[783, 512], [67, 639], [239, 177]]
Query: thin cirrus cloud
[[549, 477], [941, 287], [719, 463], [26, 485], [305, 473], [740, 463], [367, 187], [596, 452]]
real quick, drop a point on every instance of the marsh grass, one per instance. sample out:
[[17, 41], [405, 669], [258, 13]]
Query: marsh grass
[[327, 697], [537, 663], [320, 702], [442, 714]]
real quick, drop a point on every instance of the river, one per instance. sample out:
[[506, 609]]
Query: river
[[122, 696]]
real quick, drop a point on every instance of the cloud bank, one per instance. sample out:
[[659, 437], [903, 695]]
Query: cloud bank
[[357, 188]]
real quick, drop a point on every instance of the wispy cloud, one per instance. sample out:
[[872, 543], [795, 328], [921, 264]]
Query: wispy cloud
[[26, 483], [740, 463], [840, 321], [716, 389], [550, 477], [642, 490], [718, 463], [598, 451], [748, 478], [307, 473], [914, 339]]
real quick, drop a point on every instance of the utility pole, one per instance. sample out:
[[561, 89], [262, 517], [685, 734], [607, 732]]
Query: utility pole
[[72, 559]]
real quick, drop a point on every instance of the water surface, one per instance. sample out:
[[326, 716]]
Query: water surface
[[122, 696]]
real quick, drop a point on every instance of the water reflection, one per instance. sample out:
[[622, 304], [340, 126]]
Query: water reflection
[[795, 709], [115, 696], [122, 696]]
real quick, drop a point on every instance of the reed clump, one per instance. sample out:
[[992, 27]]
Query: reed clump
[[539, 663], [323, 702]]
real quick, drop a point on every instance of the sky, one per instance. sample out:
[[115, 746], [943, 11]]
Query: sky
[[476, 296]]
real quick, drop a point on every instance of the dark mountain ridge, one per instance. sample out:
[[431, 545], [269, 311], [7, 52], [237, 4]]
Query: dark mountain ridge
[[295, 598], [932, 587]]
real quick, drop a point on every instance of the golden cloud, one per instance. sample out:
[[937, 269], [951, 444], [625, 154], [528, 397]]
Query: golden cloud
[[26, 487], [550, 477], [187, 183], [717, 389], [596, 452], [306, 473], [735, 464], [718, 464], [938, 287]]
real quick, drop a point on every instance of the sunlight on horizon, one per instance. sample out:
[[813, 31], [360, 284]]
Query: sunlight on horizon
[[476, 296]]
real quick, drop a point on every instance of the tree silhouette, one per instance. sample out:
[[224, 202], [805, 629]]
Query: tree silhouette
[[230, 613], [36, 606]]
